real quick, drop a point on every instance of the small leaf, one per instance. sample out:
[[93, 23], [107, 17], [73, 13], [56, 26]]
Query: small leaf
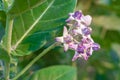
[[55, 73], [4, 55]]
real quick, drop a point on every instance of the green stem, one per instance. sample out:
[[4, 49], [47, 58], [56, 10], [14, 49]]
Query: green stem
[[8, 35], [7, 70], [33, 61]]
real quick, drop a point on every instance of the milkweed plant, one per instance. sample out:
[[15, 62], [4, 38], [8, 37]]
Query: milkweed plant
[[29, 25]]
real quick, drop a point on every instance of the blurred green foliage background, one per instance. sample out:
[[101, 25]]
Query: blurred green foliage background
[[103, 64]]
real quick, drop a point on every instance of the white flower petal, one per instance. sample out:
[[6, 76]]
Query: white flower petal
[[88, 20], [77, 31], [91, 51], [70, 19], [85, 57], [76, 55], [65, 32], [59, 39], [65, 47]]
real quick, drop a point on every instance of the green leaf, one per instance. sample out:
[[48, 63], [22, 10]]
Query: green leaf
[[55, 73], [4, 55], [36, 22]]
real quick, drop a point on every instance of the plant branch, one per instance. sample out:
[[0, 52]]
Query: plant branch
[[8, 35], [33, 61], [7, 70]]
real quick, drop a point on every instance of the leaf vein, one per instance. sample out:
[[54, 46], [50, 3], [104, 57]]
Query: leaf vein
[[23, 25], [33, 25], [38, 4], [31, 11]]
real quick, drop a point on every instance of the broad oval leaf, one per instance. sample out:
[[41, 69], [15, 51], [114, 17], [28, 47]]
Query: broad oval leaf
[[36, 22], [55, 73]]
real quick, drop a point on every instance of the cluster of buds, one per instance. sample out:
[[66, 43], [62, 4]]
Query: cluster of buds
[[77, 36]]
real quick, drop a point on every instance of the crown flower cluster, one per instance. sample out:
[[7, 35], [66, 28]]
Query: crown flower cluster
[[77, 36]]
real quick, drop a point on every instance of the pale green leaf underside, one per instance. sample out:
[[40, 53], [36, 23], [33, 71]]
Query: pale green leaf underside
[[55, 73], [35, 21]]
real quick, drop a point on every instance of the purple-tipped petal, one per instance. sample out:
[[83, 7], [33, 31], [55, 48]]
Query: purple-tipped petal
[[87, 31], [68, 39], [76, 55], [87, 40], [59, 39], [77, 15], [73, 46], [95, 46], [69, 19], [81, 49], [74, 32]]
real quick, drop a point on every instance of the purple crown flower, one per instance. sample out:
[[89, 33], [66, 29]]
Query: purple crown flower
[[78, 36], [77, 15], [87, 31]]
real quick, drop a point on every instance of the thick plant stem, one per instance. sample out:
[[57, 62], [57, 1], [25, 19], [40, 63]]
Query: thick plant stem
[[8, 34], [33, 61], [7, 43], [7, 70]]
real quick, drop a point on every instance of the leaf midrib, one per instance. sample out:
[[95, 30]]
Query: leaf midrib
[[33, 25]]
